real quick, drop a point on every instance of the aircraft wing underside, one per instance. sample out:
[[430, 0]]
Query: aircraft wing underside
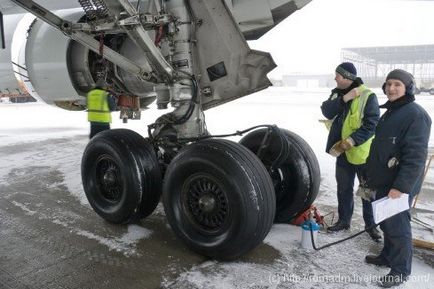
[[146, 49]]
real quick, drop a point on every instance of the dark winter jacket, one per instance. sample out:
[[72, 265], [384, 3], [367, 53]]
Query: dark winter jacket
[[338, 109], [399, 150]]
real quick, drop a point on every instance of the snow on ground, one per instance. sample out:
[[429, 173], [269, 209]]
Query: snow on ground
[[125, 244], [340, 266]]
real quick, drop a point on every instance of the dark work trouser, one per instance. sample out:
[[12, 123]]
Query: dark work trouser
[[398, 247], [96, 127], [345, 174]]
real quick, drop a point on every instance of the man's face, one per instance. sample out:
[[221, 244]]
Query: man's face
[[341, 82], [394, 89]]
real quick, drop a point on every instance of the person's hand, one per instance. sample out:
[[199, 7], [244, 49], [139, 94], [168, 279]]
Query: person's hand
[[341, 146], [346, 144], [336, 150], [352, 94], [394, 193]]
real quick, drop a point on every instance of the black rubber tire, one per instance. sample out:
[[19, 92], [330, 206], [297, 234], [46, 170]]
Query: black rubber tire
[[233, 183], [121, 176], [296, 182]]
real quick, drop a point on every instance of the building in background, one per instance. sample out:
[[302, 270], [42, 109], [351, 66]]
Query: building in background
[[308, 80], [374, 63]]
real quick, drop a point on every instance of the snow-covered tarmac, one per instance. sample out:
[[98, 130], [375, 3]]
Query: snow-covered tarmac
[[40, 183]]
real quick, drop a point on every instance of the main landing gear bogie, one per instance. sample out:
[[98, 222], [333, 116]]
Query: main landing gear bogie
[[218, 195]]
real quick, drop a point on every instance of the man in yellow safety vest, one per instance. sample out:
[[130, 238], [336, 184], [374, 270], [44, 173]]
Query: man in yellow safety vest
[[354, 112], [99, 106]]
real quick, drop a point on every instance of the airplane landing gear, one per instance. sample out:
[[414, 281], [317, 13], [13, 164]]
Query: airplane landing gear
[[220, 197]]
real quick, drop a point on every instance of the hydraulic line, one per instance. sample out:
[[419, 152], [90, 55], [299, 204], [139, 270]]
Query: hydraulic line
[[284, 150]]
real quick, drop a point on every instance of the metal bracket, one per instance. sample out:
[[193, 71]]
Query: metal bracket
[[132, 20], [107, 28], [138, 34]]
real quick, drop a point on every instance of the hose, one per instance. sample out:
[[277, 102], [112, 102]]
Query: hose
[[337, 242], [193, 100]]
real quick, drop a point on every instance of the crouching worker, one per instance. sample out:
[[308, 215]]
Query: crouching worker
[[99, 106], [395, 166], [353, 109]]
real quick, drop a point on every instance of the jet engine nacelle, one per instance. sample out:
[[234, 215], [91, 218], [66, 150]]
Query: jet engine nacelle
[[58, 70]]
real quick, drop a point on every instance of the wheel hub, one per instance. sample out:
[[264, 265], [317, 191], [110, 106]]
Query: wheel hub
[[107, 177], [205, 203]]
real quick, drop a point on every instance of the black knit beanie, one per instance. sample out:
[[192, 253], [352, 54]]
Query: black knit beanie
[[347, 70]]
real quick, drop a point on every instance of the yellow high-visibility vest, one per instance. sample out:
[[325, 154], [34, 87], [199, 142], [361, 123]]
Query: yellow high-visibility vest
[[97, 106], [357, 155]]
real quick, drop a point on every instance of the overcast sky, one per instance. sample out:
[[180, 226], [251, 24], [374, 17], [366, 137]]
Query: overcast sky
[[310, 40]]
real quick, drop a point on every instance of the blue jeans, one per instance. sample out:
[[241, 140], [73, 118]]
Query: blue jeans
[[345, 174]]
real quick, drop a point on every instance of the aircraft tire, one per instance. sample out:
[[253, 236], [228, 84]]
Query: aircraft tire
[[218, 198], [121, 176], [297, 178]]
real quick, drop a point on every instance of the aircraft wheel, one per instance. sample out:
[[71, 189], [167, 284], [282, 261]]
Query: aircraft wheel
[[219, 198], [121, 176], [296, 179]]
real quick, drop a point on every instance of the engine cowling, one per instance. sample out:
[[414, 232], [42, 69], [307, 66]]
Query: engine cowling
[[59, 71]]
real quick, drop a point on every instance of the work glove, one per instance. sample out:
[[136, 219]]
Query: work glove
[[366, 193], [352, 94], [341, 146]]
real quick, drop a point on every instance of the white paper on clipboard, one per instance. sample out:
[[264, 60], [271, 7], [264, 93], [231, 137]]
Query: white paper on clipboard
[[386, 207]]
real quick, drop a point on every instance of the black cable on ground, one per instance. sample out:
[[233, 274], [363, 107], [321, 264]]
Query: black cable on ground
[[337, 242]]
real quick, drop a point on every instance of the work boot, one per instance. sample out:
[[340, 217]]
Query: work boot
[[392, 279], [374, 234], [376, 260], [338, 226]]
